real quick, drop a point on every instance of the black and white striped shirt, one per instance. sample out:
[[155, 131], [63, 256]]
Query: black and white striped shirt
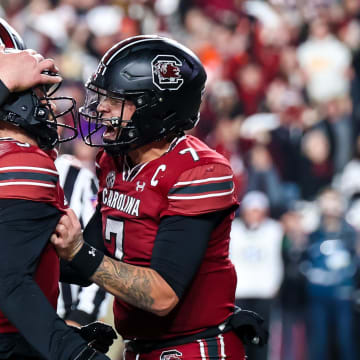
[[80, 304]]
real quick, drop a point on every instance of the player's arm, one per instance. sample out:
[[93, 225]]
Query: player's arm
[[92, 301], [141, 287], [25, 229], [93, 235], [179, 248]]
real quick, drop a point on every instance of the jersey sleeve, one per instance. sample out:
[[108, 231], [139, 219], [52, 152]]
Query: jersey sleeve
[[19, 180], [200, 190]]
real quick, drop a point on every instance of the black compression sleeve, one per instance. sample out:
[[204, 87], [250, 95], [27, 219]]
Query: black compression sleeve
[[4, 93], [93, 232], [25, 228], [179, 247]]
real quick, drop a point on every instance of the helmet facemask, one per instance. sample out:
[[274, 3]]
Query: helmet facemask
[[96, 123], [49, 119]]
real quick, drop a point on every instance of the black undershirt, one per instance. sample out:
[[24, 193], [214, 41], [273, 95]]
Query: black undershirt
[[25, 228], [93, 232], [180, 246]]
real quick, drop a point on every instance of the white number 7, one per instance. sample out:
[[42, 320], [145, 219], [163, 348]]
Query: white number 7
[[193, 153], [114, 234]]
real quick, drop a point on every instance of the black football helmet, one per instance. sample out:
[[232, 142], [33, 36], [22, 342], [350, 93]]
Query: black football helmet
[[34, 109], [163, 79]]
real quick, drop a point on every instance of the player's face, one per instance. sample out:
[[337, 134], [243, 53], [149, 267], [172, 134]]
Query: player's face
[[111, 110]]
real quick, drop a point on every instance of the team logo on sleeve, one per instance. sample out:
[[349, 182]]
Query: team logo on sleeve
[[110, 179], [171, 355], [166, 72]]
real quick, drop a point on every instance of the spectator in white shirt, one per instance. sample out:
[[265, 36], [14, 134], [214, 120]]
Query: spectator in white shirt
[[255, 250], [326, 63]]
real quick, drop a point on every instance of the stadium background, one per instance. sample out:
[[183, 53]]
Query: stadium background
[[281, 103]]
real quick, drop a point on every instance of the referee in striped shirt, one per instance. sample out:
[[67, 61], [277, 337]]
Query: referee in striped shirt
[[80, 305]]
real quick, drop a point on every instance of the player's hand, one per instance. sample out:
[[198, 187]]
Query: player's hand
[[23, 69], [249, 326], [67, 237], [98, 335]]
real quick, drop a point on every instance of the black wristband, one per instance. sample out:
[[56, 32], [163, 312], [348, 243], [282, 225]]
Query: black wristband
[[87, 260]]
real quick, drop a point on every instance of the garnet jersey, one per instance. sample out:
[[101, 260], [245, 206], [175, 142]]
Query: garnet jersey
[[189, 180], [36, 182]]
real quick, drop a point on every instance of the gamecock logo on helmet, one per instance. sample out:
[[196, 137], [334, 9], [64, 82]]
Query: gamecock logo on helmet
[[166, 72], [170, 355]]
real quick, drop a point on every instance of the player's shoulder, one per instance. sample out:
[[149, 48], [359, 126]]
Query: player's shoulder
[[198, 180], [27, 172], [21, 154], [192, 159], [193, 170], [189, 151], [200, 147]]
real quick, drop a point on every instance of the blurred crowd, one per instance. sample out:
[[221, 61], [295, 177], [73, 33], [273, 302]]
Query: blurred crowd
[[282, 104]]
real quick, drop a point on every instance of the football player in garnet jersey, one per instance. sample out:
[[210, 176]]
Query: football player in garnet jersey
[[31, 202], [160, 236]]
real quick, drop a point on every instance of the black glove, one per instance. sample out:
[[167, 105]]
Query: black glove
[[98, 335], [249, 326], [90, 354]]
